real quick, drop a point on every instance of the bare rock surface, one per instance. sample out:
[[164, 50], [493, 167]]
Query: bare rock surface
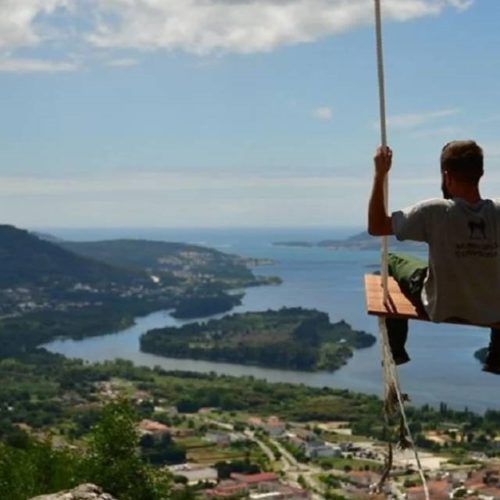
[[82, 492]]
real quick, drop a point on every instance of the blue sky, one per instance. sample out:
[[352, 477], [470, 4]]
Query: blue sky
[[234, 112]]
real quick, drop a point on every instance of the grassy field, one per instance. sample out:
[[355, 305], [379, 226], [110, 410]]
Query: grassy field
[[213, 454], [203, 452]]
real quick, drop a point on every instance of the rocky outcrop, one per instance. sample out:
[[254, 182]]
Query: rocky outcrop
[[82, 492]]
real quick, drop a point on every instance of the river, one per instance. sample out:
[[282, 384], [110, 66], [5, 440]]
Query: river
[[442, 368]]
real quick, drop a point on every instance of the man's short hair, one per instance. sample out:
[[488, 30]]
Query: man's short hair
[[463, 160]]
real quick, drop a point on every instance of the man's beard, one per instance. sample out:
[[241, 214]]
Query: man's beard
[[446, 194]]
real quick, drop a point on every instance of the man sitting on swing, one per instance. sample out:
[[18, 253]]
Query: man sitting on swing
[[461, 281]]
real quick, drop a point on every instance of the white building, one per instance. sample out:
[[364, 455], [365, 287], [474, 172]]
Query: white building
[[321, 450], [194, 473]]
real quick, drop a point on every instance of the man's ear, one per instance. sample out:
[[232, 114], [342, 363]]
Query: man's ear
[[447, 177], [445, 184]]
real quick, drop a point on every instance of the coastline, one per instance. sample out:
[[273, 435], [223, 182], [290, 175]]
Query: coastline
[[331, 282]]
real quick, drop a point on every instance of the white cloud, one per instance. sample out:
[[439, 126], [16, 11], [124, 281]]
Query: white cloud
[[242, 26], [461, 4], [217, 198], [12, 65], [167, 182], [19, 20], [194, 26], [221, 183], [413, 120], [323, 113], [122, 63]]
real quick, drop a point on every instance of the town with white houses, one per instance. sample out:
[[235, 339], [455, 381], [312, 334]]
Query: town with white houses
[[302, 460]]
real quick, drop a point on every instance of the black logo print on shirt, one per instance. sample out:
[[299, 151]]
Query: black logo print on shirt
[[477, 229]]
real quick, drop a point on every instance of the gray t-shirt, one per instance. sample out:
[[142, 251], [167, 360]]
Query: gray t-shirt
[[463, 280]]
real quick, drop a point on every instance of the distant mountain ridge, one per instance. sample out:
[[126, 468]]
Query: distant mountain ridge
[[359, 241], [42, 260], [26, 259]]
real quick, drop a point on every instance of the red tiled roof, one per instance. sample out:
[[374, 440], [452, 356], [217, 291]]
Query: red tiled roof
[[290, 490], [438, 490], [489, 491], [153, 426], [254, 421], [228, 490], [481, 478], [255, 478]]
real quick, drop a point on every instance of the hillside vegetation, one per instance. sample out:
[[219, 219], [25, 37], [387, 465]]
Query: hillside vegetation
[[179, 260], [27, 260]]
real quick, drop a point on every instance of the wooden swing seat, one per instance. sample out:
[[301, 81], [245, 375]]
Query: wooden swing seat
[[398, 305]]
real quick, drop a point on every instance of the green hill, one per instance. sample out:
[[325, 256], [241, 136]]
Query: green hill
[[26, 260], [183, 261]]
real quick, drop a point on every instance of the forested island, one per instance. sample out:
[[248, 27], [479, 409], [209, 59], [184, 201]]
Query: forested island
[[291, 338]]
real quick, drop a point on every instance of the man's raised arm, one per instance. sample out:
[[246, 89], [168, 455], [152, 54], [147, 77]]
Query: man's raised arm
[[379, 222]]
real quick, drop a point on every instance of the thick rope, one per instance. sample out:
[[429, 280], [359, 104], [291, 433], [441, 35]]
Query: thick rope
[[383, 133], [393, 399]]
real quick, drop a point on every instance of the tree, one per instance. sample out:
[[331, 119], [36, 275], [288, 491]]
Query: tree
[[113, 461], [162, 450], [36, 468]]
